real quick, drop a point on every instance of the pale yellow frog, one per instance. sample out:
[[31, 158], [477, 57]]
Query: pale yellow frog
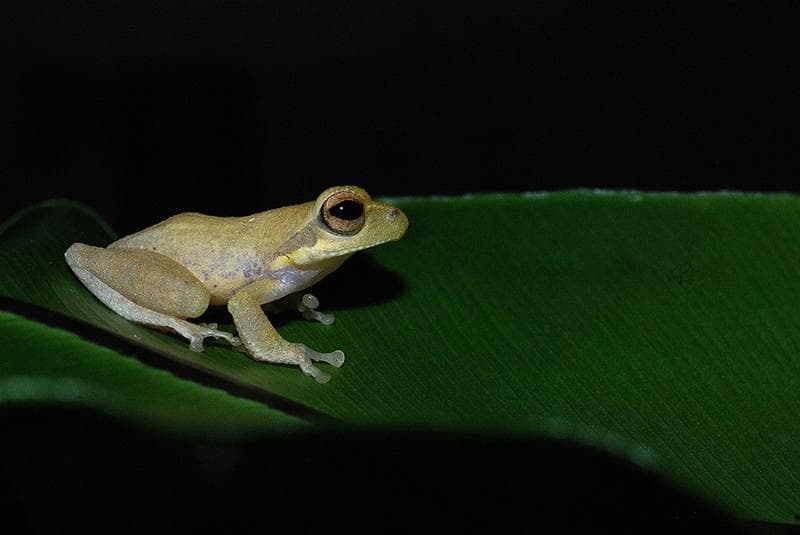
[[175, 269]]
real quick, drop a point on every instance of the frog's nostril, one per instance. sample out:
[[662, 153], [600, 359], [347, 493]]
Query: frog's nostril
[[393, 213]]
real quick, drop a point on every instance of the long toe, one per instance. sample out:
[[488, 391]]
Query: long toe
[[196, 344], [318, 375], [334, 358]]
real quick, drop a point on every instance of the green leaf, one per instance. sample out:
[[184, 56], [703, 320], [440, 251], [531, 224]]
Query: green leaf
[[43, 364], [665, 327]]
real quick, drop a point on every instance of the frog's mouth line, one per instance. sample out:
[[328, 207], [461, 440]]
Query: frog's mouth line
[[349, 250]]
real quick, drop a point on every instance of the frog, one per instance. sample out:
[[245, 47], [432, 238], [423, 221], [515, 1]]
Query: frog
[[173, 271]]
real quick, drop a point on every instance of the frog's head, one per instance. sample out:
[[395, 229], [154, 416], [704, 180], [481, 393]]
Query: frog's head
[[345, 219]]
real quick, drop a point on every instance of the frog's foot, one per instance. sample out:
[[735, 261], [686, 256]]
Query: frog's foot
[[334, 358], [307, 306], [300, 355], [197, 333]]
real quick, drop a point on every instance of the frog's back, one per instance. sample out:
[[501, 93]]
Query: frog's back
[[182, 232], [199, 242], [193, 237]]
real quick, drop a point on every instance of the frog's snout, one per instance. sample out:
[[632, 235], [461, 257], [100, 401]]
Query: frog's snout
[[398, 219]]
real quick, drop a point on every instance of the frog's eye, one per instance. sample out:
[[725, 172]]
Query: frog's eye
[[343, 213]]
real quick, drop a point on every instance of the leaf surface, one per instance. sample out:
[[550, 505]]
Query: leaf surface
[[663, 326]]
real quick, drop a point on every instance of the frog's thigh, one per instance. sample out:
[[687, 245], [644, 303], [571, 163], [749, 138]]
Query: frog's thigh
[[95, 268], [148, 279]]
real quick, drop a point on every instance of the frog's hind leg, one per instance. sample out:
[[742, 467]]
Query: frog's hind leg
[[146, 287]]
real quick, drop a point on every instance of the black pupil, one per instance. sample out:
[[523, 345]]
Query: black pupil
[[347, 210]]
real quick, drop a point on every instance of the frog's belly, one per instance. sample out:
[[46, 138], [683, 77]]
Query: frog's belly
[[287, 280]]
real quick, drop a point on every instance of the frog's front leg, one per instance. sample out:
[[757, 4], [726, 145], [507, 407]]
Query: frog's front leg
[[146, 287], [262, 340]]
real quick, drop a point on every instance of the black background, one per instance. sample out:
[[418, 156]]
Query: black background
[[143, 109], [91, 474]]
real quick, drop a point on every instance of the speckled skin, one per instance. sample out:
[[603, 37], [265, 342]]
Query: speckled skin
[[225, 253], [173, 270]]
